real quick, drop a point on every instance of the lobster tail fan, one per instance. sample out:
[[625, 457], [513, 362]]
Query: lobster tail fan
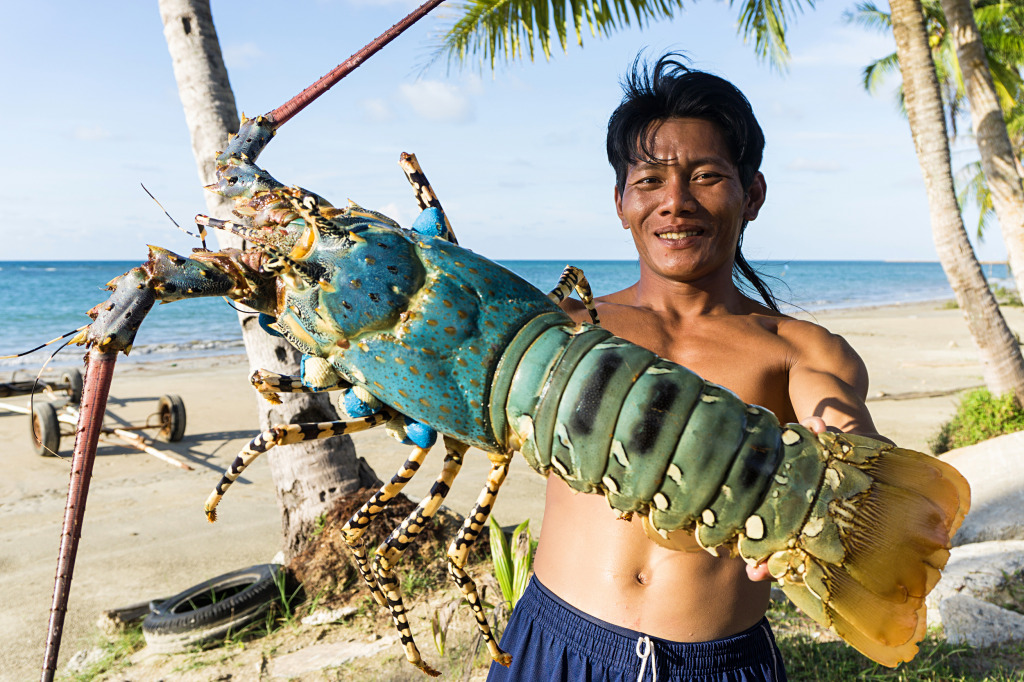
[[894, 513]]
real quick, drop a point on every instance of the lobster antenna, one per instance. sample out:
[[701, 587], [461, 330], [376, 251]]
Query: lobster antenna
[[32, 393], [202, 231], [303, 99], [44, 345]]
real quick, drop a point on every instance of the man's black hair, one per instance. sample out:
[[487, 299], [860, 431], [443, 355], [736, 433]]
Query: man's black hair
[[670, 89]]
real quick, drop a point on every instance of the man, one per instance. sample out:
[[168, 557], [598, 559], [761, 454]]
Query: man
[[606, 602]]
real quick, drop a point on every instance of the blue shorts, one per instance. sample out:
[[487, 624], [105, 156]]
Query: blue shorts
[[551, 640]]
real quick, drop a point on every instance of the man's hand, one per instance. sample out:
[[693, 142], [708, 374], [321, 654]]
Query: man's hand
[[760, 572]]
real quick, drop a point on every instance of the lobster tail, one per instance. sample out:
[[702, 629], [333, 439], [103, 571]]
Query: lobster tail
[[872, 543]]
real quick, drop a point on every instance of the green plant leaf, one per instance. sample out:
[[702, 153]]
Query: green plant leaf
[[501, 558]]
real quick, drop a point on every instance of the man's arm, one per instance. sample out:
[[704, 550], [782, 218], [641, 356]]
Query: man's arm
[[828, 380]]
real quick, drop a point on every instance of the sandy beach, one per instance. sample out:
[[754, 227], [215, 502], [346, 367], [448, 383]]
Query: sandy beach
[[145, 535]]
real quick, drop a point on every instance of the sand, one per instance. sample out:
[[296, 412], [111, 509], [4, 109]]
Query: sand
[[145, 535]]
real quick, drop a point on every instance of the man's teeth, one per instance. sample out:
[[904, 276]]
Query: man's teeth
[[679, 235]]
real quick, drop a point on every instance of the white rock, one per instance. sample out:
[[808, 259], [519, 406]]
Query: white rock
[[81, 660], [976, 570], [995, 470], [976, 623], [325, 616], [320, 656]]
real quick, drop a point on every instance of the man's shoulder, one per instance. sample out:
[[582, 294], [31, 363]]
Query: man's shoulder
[[813, 345]]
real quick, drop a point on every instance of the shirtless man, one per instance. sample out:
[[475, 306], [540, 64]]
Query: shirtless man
[[607, 602]]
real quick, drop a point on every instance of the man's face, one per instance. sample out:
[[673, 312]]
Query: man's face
[[686, 212]]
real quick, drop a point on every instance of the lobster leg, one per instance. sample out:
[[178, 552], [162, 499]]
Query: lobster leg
[[391, 550], [270, 384], [286, 434], [573, 278], [458, 552], [356, 526], [99, 373], [425, 196]]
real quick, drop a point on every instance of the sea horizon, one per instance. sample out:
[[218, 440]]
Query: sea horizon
[[43, 299]]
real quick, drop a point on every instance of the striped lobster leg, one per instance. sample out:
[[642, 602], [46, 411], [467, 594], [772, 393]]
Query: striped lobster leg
[[286, 434], [391, 550], [356, 526], [573, 278], [458, 553]]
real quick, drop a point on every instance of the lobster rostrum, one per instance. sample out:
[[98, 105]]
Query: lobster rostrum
[[418, 331]]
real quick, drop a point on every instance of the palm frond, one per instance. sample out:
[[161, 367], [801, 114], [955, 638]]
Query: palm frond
[[970, 183], [877, 71], [511, 29], [869, 16]]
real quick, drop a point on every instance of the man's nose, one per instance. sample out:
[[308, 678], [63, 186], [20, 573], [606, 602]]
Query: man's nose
[[678, 198]]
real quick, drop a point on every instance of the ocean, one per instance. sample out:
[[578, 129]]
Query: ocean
[[40, 300]]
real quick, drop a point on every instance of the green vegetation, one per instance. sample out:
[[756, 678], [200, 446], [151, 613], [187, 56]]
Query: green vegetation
[[1007, 297], [979, 416], [115, 651], [513, 562]]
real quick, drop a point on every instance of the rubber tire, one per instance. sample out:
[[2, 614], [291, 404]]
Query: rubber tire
[[73, 379], [171, 409], [44, 429], [172, 625]]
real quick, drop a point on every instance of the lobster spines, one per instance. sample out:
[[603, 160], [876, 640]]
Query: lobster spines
[[875, 534]]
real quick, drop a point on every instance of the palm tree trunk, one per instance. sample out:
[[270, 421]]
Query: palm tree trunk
[[310, 476], [1002, 364], [997, 157]]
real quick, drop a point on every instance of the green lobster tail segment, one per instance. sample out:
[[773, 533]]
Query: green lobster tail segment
[[590, 407], [752, 469], [647, 431], [545, 332], [701, 458], [775, 525]]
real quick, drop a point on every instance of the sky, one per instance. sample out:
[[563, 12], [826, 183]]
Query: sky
[[515, 155]]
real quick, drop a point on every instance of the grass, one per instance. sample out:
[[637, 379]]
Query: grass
[[812, 654], [978, 417]]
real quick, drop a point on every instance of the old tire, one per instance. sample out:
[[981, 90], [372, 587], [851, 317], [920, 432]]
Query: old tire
[[171, 410], [211, 609], [44, 429], [72, 379]]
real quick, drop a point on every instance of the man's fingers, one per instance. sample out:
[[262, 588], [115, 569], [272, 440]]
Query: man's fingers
[[758, 573], [814, 424]]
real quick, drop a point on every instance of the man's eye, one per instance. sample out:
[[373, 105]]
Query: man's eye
[[706, 176]]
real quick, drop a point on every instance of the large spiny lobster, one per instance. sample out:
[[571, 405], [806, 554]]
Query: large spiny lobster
[[420, 332]]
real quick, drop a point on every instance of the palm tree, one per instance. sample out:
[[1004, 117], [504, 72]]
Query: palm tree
[[999, 25], [312, 475], [510, 27], [997, 157], [1002, 364]]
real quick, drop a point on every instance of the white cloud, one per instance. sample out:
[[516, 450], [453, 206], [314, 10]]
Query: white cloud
[[377, 110], [437, 101], [91, 133], [242, 55], [813, 166]]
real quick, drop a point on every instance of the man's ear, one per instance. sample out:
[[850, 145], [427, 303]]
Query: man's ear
[[618, 208], [756, 194]]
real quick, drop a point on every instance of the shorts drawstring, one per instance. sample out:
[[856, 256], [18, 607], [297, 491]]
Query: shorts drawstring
[[645, 650]]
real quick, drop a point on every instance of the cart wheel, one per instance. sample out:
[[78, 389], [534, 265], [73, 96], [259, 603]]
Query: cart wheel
[[172, 419], [45, 430], [73, 379]]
